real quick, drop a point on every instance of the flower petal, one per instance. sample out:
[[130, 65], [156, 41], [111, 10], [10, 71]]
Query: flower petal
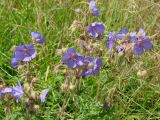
[[138, 50]]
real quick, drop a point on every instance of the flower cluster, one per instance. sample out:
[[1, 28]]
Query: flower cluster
[[124, 41], [19, 91], [16, 91], [87, 65], [22, 55], [25, 53]]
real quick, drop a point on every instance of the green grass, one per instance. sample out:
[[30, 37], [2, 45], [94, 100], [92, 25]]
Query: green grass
[[130, 96]]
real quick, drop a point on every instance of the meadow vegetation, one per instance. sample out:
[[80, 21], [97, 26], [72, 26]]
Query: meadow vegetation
[[126, 88]]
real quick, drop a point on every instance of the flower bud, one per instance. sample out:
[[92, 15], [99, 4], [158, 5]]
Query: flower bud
[[141, 73], [120, 54], [13, 48], [26, 87], [90, 65], [64, 87], [36, 107], [33, 94], [96, 45], [77, 10], [27, 99], [71, 87], [60, 52]]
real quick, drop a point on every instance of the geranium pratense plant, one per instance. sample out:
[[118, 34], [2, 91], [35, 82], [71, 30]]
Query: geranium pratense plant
[[124, 41], [22, 60]]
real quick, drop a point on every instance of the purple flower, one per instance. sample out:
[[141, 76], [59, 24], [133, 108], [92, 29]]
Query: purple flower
[[3, 92], [14, 62], [24, 53], [72, 58], [18, 91], [111, 38], [122, 33], [6, 90], [133, 37], [141, 46], [93, 7], [96, 29], [92, 66], [38, 37], [43, 95]]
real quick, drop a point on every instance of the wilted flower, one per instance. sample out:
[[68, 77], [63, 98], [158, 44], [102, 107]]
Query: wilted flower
[[92, 66], [37, 37], [141, 46], [93, 7], [111, 39], [24, 53], [72, 58], [122, 33], [43, 95], [18, 91], [14, 62], [96, 29]]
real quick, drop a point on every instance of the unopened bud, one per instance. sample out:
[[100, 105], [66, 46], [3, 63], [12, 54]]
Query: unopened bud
[[141, 73], [33, 94], [36, 107], [13, 48], [71, 87], [26, 100], [64, 87], [26, 87], [78, 10], [96, 45], [120, 54], [60, 52], [90, 65]]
